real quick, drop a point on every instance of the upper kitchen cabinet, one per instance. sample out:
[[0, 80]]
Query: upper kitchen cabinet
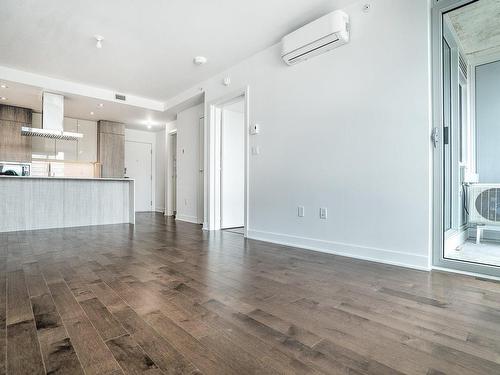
[[42, 148], [15, 114], [13, 146], [87, 146], [67, 150]]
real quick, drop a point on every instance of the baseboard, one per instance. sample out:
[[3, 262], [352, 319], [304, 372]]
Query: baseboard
[[160, 210], [419, 262], [472, 274], [187, 219]]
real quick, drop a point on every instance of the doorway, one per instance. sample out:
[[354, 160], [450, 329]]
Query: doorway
[[138, 166], [232, 159], [466, 140], [201, 171], [227, 154], [172, 169]]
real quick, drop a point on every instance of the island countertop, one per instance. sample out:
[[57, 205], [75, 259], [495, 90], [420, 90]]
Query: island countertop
[[68, 178], [31, 202]]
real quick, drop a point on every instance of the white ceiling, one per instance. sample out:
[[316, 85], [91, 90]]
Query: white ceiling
[[477, 26], [149, 44]]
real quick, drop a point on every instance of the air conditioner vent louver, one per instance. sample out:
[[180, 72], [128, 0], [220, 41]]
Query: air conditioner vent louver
[[484, 204], [120, 97], [488, 204], [463, 65]]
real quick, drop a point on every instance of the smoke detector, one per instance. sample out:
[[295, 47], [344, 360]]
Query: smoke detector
[[99, 40], [200, 60]]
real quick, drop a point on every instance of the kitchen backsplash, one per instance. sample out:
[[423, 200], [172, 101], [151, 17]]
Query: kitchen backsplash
[[58, 169]]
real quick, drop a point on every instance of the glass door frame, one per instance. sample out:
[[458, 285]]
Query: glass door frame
[[439, 8]]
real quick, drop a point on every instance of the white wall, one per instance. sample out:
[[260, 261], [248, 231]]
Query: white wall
[[188, 163], [145, 137], [233, 169], [487, 122], [161, 165], [348, 130]]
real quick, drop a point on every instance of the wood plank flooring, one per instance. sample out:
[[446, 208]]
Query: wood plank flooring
[[166, 298]]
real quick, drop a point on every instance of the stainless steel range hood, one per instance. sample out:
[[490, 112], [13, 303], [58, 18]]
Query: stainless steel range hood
[[52, 120]]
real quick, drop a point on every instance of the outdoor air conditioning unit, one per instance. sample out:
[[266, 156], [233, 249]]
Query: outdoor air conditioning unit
[[315, 38], [484, 204]]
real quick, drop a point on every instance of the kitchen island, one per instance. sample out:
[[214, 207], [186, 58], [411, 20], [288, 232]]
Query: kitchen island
[[28, 203]]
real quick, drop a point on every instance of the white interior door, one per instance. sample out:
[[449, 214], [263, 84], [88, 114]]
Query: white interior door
[[232, 169], [138, 166]]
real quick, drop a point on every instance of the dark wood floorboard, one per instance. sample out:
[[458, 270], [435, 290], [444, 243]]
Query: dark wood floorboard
[[163, 297]]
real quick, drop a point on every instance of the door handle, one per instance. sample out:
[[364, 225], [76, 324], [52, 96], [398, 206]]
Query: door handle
[[435, 137]]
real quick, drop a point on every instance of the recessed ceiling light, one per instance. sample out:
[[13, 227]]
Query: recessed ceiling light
[[100, 105], [92, 113], [3, 98], [99, 40], [4, 86], [149, 126], [200, 60]]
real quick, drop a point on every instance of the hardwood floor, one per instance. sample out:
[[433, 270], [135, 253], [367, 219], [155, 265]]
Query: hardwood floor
[[166, 298]]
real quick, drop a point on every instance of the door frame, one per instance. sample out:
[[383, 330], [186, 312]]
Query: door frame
[[221, 170], [152, 179], [439, 7], [201, 169], [213, 158], [168, 190]]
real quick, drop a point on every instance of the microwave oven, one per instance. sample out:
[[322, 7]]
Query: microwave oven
[[14, 169]]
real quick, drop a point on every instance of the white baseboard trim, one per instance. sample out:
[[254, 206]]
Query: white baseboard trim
[[396, 258], [473, 274], [187, 219], [160, 210]]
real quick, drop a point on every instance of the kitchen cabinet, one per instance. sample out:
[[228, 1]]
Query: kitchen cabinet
[[13, 146], [15, 114], [87, 146], [42, 148], [84, 149], [111, 148], [67, 150]]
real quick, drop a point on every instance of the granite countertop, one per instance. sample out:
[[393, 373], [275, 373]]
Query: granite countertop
[[68, 178]]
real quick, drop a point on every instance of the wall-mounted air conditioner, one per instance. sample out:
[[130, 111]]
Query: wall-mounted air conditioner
[[317, 37], [484, 204]]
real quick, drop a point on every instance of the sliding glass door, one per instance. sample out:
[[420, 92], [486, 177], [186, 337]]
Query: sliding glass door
[[466, 236]]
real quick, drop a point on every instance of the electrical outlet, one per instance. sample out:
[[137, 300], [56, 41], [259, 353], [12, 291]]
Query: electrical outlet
[[323, 213], [301, 211]]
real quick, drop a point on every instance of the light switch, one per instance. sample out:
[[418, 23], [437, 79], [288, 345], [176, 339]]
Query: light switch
[[323, 213], [255, 150], [300, 211]]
